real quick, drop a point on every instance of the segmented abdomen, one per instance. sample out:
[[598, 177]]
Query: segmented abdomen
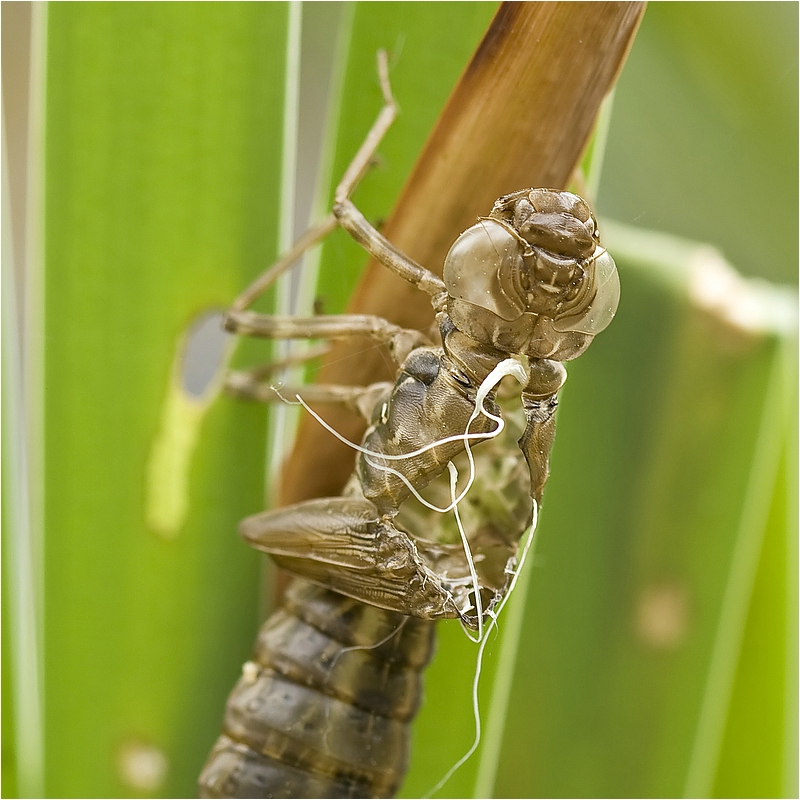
[[324, 707]]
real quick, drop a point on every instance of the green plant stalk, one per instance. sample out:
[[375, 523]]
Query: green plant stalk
[[763, 695], [738, 592], [23, 602]]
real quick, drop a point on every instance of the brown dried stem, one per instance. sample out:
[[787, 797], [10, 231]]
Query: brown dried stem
[[520, 116]]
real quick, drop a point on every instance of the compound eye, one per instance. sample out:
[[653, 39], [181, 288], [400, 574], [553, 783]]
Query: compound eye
[[482, 261], [595, 307]]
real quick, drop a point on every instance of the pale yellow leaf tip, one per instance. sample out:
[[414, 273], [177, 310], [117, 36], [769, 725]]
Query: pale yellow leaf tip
[[195, 381], [167, 475]]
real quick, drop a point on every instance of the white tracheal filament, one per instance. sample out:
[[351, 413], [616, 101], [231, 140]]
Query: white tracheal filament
[[482, 640], [509, 366]]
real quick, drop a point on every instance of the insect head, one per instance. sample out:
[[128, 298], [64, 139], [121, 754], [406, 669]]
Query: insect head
[[532, 277]]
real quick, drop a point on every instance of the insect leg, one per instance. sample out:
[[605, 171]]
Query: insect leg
[[346, 214], [361, 399], [539, 399], [260, 285], [400, 341], [255, 384], [354, 222]]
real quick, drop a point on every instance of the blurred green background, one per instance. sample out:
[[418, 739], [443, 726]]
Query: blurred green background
[[653, 650]]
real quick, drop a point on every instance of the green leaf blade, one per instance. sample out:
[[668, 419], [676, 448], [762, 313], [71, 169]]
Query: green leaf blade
[[161, 160]]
